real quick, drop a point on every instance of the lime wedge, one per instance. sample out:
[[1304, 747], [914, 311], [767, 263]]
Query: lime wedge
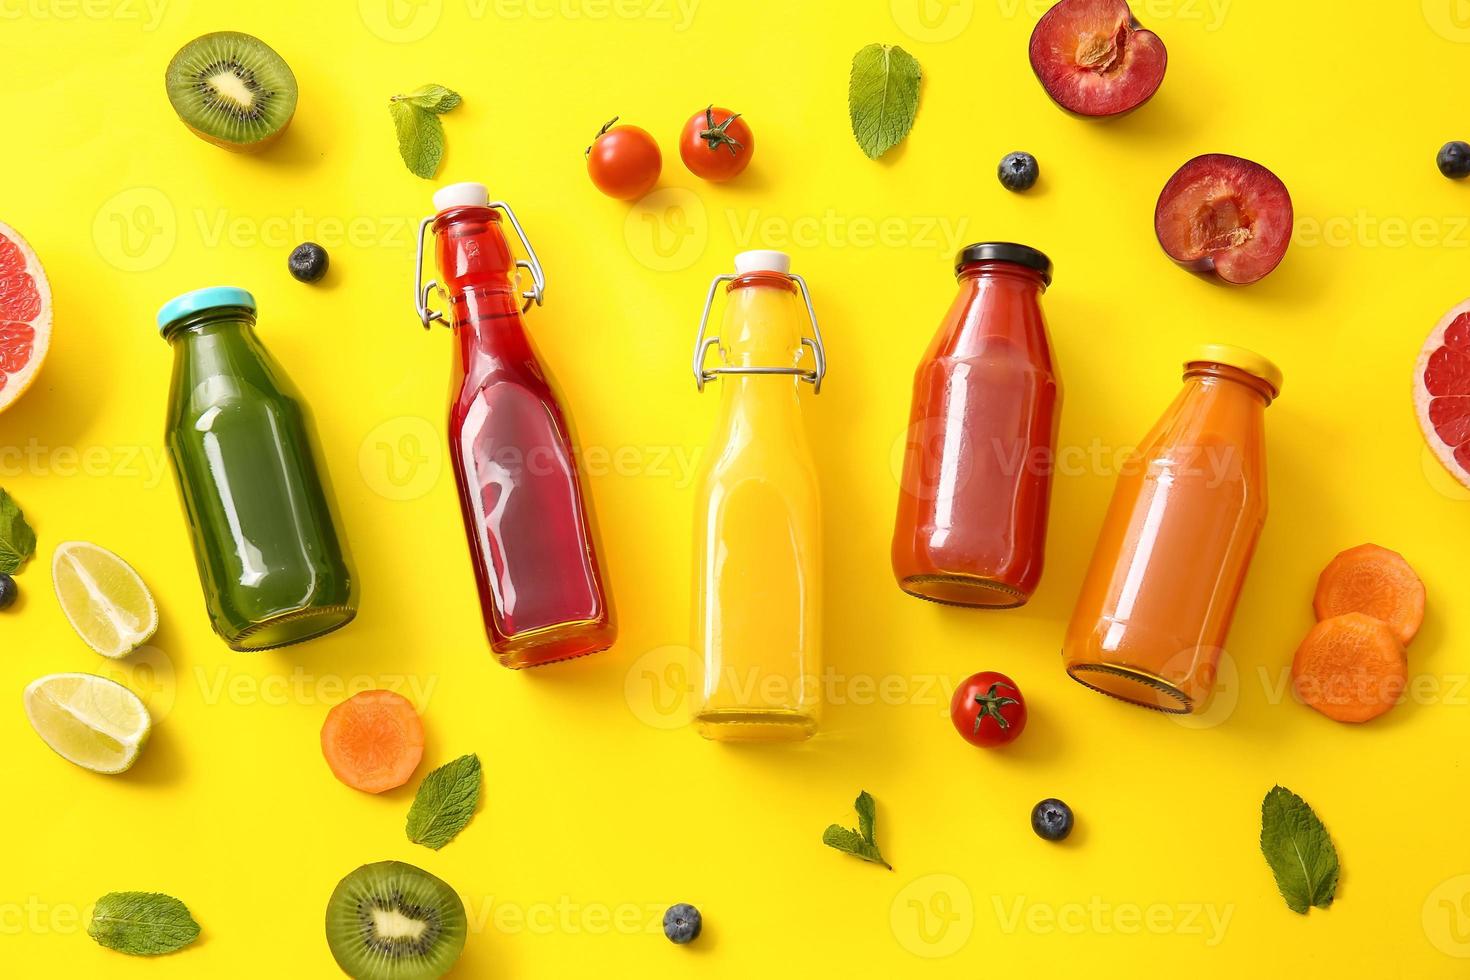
[[103, 598], [88, 720]]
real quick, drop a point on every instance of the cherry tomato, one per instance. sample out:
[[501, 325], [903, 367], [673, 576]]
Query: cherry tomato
[[624, 161], [988, 709], [716, 144]]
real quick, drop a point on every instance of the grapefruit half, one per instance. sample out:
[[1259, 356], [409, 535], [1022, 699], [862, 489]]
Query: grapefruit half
[[1442, 391], [25, 316]]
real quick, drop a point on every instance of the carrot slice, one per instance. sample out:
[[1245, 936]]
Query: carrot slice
[[1351, 668], [1376, 582], [373, 741]]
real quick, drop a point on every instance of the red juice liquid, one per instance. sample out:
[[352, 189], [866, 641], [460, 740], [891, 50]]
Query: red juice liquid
[[981, 446], [532, 535]]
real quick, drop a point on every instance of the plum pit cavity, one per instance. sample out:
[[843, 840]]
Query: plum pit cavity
[[1219, 225]]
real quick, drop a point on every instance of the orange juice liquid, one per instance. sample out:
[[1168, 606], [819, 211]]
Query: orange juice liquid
[[758, 581], [1157, 602]]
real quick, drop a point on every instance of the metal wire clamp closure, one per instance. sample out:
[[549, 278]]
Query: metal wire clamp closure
[[702, 344]]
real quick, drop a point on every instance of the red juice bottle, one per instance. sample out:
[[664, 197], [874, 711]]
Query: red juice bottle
[[532, 535], [982, 439]]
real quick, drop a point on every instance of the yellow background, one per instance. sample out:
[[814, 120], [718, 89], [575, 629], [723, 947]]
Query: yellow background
[[599, 810]]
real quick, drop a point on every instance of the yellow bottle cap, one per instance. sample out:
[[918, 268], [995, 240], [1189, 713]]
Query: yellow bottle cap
[[1238, 357]]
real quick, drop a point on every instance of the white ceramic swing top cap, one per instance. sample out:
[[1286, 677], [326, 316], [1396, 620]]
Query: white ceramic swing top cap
[[763, 260], [461, 195]]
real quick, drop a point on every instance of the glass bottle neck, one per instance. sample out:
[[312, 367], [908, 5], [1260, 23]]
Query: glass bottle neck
[[220, 347], [476, 271], [1212, 374], [471, 252], [1009, 273], [208, 322], [762, 328], [997, 314]]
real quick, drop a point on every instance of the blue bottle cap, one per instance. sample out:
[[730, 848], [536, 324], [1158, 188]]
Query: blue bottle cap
[[203, 299]]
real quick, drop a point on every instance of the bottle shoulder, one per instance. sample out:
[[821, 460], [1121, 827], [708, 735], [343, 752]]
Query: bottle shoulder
[[998, 362], [730, 479], [761, 443], [194, 402], [218, 362], [1202, 417], [993, 314]]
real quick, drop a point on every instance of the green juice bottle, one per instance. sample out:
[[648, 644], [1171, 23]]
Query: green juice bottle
[[259, 511]]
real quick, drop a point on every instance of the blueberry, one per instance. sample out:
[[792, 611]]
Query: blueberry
[[8, 592], [682, 923], [1018, 171], [308, 262], [1051, 819], [1454, 159]]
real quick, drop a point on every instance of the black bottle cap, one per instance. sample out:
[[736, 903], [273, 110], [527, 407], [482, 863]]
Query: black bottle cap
[[1005, 252]]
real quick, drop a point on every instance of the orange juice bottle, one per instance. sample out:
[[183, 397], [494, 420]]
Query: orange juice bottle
[[1190, 503], [758, 521]]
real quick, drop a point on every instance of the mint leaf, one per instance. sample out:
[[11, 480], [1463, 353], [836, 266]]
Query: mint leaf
[[436, 98], [445, 802], [858, 843], [17, 540], [867, 814], [1299, 851], [882, 97], [420, 134], [142, 923], [849, 842], [420, 138]]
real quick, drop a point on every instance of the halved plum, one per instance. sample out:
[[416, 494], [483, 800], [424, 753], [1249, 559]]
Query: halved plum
[[1095, 59], [1225, 216]]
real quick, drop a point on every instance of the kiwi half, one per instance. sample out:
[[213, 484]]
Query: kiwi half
[[232, 90], [393, 921]]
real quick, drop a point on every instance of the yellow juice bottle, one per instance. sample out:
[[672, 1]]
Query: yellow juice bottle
[[758, 578]]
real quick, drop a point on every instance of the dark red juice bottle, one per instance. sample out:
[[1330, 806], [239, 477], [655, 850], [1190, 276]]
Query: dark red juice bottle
[[532, 535], [981, 446]]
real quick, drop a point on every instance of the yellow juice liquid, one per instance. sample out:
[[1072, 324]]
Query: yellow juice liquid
[[758, 584]]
